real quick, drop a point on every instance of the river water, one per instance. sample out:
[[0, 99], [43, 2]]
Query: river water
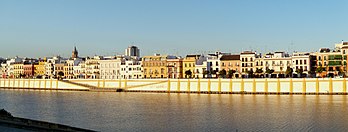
[[180, 112]]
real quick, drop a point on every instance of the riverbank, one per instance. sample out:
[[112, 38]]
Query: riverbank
[[7, 121]]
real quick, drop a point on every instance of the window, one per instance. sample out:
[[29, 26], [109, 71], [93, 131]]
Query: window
[[217, 63], [300, 62], [305, 62], [296, 63]]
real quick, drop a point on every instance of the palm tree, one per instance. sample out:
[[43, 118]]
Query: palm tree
[[319, 70]]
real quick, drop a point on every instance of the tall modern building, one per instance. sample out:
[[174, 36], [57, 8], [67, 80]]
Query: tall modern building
[[75, 54], [132, 51]]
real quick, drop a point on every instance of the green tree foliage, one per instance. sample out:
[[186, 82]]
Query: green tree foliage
[[222, 73], [231, 73], [188, 74], [289, 72]]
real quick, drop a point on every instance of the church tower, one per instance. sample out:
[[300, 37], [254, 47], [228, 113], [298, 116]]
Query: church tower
[[75, 53]]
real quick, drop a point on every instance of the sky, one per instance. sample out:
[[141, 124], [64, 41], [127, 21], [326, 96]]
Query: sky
[[38, 28]]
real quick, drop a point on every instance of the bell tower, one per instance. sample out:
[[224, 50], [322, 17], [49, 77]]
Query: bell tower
[[75, 54]]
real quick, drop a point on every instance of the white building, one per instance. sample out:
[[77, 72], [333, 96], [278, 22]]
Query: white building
[[9, 67], [278, 61], [69, 71], [201, 67], [110, 68], [92, 67], [302, 60], [247, 59], [79, 70], [131, 68]]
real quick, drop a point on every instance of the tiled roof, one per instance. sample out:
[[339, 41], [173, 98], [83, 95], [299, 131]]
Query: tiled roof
[[230, 57]]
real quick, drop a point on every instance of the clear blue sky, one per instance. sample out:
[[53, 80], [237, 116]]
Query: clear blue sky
[[38, 28]]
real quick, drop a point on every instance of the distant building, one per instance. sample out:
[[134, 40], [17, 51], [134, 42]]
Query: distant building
[[75, 53], [132, 51], [28, 69]]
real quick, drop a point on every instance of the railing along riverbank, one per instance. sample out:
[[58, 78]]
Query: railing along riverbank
[[209, 86]]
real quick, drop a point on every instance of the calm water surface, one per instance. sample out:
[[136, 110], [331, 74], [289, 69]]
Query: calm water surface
[[180, 112]]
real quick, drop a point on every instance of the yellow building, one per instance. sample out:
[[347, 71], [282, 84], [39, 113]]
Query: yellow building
[[67, 71], [189, 64], [155, 66], [39, 69], [18, 70], [332, 62]]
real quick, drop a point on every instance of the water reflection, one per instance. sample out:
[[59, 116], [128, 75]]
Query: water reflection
[[180, 112]]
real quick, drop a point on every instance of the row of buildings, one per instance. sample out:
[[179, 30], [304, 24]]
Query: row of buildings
[[325, 62]]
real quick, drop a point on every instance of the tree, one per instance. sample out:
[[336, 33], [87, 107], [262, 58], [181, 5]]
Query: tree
[[205, 72], [259, 71], [60, 74], [299, 71], [289, 72], [319, 70], [214, 72], [188, 74], [21, 75], [250, 73], [340, 71], [222, 73], [269, 71], [231, 73]]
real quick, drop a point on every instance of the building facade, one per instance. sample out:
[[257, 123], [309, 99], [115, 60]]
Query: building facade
[[175, 68], [231, 62], [155, 66], [110, 69]]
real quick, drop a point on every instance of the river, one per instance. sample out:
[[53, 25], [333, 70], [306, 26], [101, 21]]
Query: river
[[180, 112]]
